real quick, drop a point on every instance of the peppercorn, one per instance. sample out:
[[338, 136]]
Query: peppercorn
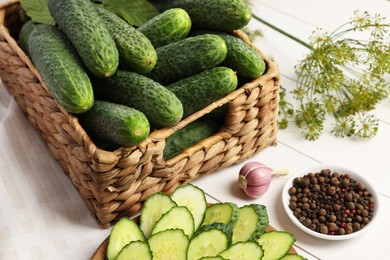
[[331, 203]]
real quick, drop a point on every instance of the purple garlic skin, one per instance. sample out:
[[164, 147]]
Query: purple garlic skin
[[254, 179]]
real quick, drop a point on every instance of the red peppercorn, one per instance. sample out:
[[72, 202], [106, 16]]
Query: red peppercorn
[[353, 211], [343, 224], [347, 175], [331, 233], [347, 211], [371, 205]]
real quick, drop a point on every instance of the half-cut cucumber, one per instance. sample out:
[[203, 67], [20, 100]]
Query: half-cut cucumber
[[249, 250], [136, 250], [154, 207], [194, 199], [209, 240], [251, 223], [276, 244], [178, 217], [169, 244], [122, 233], [224, 212]]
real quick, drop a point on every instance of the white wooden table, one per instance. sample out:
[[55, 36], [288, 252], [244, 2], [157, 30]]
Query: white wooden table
[[42, 216]]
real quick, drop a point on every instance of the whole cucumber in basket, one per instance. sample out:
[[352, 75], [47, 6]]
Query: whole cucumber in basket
[[136, 52], [224, 15], [190, 135], [187, 57], [241, 57], [200, 90], [115, 123], [160, 105], [170, 26], [61, 69], [24, 34], [86, 31]]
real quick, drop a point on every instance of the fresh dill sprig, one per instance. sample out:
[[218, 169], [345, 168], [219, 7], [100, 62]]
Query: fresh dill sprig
[[342, 76]]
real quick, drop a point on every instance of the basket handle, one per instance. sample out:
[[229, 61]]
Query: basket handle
[[3, 9]]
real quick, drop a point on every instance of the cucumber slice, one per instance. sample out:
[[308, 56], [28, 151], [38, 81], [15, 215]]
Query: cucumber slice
[[194, 199], [292, 257], [212, 258], [209, 240], [154, 207], [249, 250], [169, 244], [134, 251], [178, 217], [226, 212], [123, 232], [251, 223], [276, 244]]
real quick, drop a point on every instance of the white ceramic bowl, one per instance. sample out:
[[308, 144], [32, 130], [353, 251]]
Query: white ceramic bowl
[[354, 175]]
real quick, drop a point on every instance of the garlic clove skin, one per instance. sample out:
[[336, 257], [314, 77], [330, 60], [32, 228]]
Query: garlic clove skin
[[255, 179]]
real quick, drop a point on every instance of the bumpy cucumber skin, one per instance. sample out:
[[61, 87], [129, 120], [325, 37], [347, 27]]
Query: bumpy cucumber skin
[[224, 15], [136, 52], [200, 90], [24, 34], [86, 31], [60, 68], [115, 123], [170, 26], [261, 211], [188, 56], [188, 136], [159, 104]]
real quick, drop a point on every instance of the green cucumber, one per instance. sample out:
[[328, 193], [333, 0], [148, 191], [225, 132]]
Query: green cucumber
[[178, 217], [187, 57], [115, 123], [209, 240], [251, 223], [159, 104], [249, 250], [169, 244], [241, 57], [292, 257], [223, 212], [189, 135], [136, 52], [154, 207], [122, 233], [61, 69], [212, 258], [200, 90], [86, 31], [170, 26], [224, 15], [135, 250], [24, 34], [276, 244], [194, 199]]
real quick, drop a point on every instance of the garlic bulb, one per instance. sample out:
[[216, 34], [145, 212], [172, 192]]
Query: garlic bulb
[[255, 178]]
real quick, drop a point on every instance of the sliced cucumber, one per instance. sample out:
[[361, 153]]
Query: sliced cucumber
[[212, 258], [122, 233], [178, 217], [209, 240], [224, 212], [249, 250], [154, 207], [276, 244], [169, 244], [251, 223], [136, 250], [292, 257], [194, 199]]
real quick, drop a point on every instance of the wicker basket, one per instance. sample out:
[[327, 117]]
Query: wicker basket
[[114, 184]]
